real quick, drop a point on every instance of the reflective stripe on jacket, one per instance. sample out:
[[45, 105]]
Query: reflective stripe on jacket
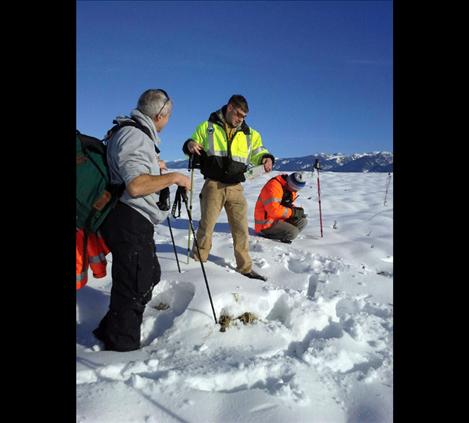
[[228, 158], [269, 206], [94, 257], [245, 147]]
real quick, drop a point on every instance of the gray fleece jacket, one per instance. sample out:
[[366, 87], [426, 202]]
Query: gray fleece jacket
[[130, 153]]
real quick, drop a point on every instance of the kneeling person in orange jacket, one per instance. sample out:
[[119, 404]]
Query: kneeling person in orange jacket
[[275, 215]]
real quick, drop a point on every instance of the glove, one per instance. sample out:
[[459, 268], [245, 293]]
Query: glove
[[196, 161], [298, 213], [164, 202]]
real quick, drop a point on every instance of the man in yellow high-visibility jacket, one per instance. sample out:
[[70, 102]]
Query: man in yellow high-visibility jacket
[[224, 145]]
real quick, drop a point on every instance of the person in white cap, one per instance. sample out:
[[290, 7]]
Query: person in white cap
[[275, 214]]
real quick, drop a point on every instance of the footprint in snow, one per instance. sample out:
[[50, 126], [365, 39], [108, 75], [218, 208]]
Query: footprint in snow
[[312, 263], [163, 309]]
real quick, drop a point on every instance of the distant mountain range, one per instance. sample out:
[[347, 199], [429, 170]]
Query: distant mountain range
[[381, 161]]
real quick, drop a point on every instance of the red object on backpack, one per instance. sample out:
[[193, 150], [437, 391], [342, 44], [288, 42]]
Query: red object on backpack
[[90, 252]]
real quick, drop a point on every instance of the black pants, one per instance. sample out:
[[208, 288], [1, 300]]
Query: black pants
[[135, 271]]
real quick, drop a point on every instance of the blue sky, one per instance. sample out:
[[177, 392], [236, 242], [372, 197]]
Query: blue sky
[[318, 75]]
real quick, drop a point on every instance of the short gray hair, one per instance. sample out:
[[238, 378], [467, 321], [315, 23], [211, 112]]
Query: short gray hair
[[151, 103]]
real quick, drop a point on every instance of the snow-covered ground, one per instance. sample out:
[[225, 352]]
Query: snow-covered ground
[[320, 348]]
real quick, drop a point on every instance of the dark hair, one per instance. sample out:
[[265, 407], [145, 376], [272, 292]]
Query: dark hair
[[238, 100]]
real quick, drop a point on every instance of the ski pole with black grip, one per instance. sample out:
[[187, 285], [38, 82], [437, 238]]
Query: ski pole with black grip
[[164, 204], [191, 168], [174, 245], [181, 192], [316, 166]]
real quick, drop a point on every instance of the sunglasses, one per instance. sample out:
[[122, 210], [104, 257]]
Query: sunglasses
[[238, 112], [167, 99]]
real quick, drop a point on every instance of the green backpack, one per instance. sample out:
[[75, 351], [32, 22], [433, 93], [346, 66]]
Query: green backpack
[[95, 195]]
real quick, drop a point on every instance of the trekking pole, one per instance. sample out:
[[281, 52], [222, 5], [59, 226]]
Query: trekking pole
[[181, 192], [316, 166], [164, 203], [387, 187], [174, 245], [190, 208]]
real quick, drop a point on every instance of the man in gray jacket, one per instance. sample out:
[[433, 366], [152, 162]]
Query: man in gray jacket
[[133, 157]]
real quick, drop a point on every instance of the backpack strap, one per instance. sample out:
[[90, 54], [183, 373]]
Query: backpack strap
[[130, 122]]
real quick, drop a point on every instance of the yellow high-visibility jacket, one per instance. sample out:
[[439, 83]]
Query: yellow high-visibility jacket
[[226, 159]]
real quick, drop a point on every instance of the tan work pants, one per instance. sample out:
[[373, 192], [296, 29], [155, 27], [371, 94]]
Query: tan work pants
[[213, 197]]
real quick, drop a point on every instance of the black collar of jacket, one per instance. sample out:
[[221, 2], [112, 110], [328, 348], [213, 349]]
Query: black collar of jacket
[[214, 118]]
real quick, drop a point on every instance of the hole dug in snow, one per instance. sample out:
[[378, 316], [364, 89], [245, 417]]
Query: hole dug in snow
[[225, 320]]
